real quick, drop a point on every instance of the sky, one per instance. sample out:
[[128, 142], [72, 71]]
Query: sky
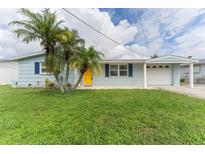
[[145, 31]]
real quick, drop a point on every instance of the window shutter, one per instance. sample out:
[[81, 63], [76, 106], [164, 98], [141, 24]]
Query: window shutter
[[130, 70], [37, 68], [106, 70]]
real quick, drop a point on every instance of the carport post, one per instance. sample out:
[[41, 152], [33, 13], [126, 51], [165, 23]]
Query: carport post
[[191, 82], [145, 75]]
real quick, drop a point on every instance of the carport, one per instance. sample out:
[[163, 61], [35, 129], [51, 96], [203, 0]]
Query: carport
[[165, 71]]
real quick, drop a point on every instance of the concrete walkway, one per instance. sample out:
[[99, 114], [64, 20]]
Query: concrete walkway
[[198, 90]]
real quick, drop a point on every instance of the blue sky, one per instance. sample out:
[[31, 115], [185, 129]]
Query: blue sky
[[166, 31]]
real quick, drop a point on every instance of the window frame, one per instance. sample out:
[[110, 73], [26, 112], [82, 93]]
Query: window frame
[[112, 70], [43, 73], [118, 70]]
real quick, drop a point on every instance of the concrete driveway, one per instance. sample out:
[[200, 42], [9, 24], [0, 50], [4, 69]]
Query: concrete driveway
[[198, 90]]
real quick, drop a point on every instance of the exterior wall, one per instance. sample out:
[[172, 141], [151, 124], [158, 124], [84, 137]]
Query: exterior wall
[[136, 80], [176, 74], [27, 73], [8, 72]]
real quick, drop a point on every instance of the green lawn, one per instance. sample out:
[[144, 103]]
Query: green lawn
[[37, 116]]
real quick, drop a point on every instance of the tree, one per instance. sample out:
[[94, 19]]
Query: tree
[[70, 42], [43, 27], [84, 59]]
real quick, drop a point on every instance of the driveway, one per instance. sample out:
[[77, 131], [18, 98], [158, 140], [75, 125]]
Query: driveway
[[197, 91]]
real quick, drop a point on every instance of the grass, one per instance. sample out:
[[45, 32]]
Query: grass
[[38, 116]]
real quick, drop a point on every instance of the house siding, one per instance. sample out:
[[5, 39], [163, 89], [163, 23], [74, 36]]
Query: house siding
[[27, 72], [135, 80]]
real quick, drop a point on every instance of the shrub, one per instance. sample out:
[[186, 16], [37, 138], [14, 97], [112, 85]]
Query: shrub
[[182, 80], [68, 85], [49, 84]]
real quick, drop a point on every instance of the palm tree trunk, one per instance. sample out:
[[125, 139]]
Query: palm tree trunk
[[79, 80], [59, 83], [67, 74]]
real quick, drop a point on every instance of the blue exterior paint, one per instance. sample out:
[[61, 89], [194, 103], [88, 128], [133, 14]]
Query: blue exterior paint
[[28, 74], [136, 80], [176, 74]]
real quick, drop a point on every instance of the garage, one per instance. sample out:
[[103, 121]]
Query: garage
[[159, 74], [8, 71]]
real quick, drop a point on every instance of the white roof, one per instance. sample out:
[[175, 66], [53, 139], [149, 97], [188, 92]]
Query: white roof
[[123, 60], [28, 55], [162, 59], [172, 59]]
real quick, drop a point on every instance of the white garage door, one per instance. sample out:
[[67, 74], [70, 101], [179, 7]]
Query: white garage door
[[159, 75], [8, 72]]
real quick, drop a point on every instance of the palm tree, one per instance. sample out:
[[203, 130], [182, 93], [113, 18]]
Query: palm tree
[[70, 42], [43, 27], [84, 59]]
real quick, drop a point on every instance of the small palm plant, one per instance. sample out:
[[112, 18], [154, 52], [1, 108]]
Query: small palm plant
[[84, 59]]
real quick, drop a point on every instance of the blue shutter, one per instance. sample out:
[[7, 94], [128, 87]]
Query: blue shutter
[[106, 70], [37, 67], [130, 70]]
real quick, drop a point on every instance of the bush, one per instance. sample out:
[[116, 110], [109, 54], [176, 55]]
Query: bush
[[68, 85], [49, 84], [182, 80]]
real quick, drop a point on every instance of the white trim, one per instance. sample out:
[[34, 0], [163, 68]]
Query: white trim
[[29, 55], [40, 69], [180, 59], [145, 75], [191, 82], [116, 61]]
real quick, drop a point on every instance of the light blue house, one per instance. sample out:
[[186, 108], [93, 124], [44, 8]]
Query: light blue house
[[162, 71]]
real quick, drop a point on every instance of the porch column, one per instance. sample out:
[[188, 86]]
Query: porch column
[[191, 82], [145, 75]]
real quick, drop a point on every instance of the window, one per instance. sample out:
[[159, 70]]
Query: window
[[166, 66], [154, 66], [113, 70], [160, 66], [148, 66], [43, 68], [123, 70], [118, 70]]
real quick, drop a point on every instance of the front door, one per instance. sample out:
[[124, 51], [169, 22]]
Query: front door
[[88, 77]]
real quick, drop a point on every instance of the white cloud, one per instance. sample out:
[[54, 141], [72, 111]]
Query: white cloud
[[163, 24], [123, 33]]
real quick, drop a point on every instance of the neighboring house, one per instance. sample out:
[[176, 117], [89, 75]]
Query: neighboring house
[[162, 71], [199, 72], [8, 71]]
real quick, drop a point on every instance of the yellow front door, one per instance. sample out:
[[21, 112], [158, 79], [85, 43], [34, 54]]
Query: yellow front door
[[88, 77]]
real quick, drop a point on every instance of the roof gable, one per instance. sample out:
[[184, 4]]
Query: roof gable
[[172, 59], [28, 55]]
